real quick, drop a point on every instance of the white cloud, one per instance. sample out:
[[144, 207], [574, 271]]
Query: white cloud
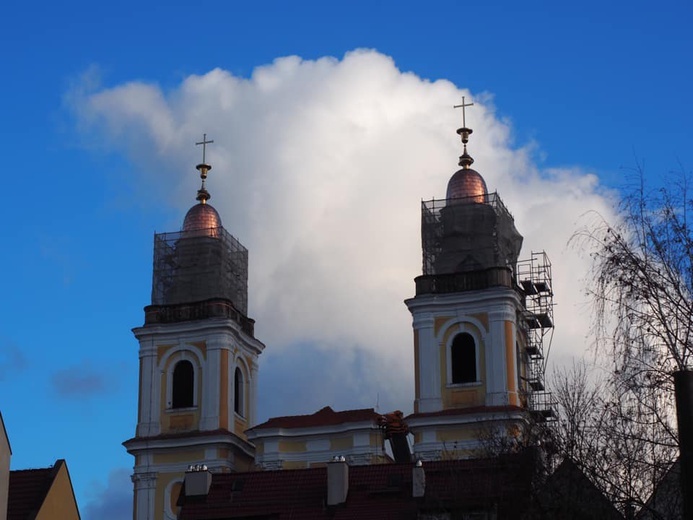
[[319, 168]]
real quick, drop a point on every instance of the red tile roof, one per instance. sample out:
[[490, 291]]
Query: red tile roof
[[28, 489], [325, 417], [382, 492]]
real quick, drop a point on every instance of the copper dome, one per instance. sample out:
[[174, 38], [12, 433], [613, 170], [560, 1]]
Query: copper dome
[[467, 183], [202, 217]]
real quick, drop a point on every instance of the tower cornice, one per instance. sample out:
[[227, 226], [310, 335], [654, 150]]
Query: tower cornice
[[193, 330]]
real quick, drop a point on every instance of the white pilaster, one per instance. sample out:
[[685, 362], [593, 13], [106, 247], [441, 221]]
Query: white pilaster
[[145, 494], [252, 399], [209, 403], [430, 378], [148, 423]]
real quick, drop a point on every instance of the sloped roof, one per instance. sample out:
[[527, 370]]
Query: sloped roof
[[324, 417], [569, 494], [28, 489], [381, 492], [666, 500]]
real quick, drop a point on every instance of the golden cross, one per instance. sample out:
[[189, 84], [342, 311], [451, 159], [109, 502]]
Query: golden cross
[[463, 106], [204, 144]]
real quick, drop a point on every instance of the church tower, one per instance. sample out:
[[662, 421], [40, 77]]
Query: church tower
[[477, 332], [198, 360]]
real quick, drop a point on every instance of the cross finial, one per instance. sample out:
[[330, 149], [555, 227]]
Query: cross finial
[[464, 133], [463, 106], [204, 144], [202, 194]]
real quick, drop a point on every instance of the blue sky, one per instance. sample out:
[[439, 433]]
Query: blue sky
[[569, 98]]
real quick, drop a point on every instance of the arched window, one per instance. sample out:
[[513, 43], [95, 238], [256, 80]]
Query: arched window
[[238, 391], [463, 359], [183, 386]]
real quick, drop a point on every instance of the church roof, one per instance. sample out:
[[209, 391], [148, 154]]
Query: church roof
[[381, 491], [201, 216], [324, 417], [467, 183]]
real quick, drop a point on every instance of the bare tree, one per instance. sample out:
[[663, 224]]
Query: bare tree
[[643, 279], [643, 296], [614, 431]]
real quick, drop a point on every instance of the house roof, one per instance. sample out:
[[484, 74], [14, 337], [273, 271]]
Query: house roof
[[382, 491], [28, 489], [324, 417], [666, 500], [568, 493]]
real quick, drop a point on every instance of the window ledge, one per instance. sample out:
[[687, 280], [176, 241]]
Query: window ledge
[[181, 410], [473, 384]]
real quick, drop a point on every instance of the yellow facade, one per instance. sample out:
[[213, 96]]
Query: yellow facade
[[240, 425], [471, 394], [439, 322], [457, 434], [185, 419], [294, 464], [162, 482], [173, 497], [60, 500], [341, 443], [189, 456], [292, 446]]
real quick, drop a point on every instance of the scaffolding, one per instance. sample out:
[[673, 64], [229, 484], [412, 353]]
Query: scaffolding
[[197, 265], [534, 281], [467, 234]]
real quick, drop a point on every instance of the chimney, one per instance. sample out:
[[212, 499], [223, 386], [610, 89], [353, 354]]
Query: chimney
[[337, 481], [418, 480], [198, 479]]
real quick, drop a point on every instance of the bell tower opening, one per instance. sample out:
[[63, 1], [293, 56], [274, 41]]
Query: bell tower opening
[[463, 359], [238, 392], [183, 385]]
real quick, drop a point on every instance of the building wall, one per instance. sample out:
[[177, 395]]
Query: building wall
[[180, 436], [490, 317], [359, 443], [5, 455], [60, 500]]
